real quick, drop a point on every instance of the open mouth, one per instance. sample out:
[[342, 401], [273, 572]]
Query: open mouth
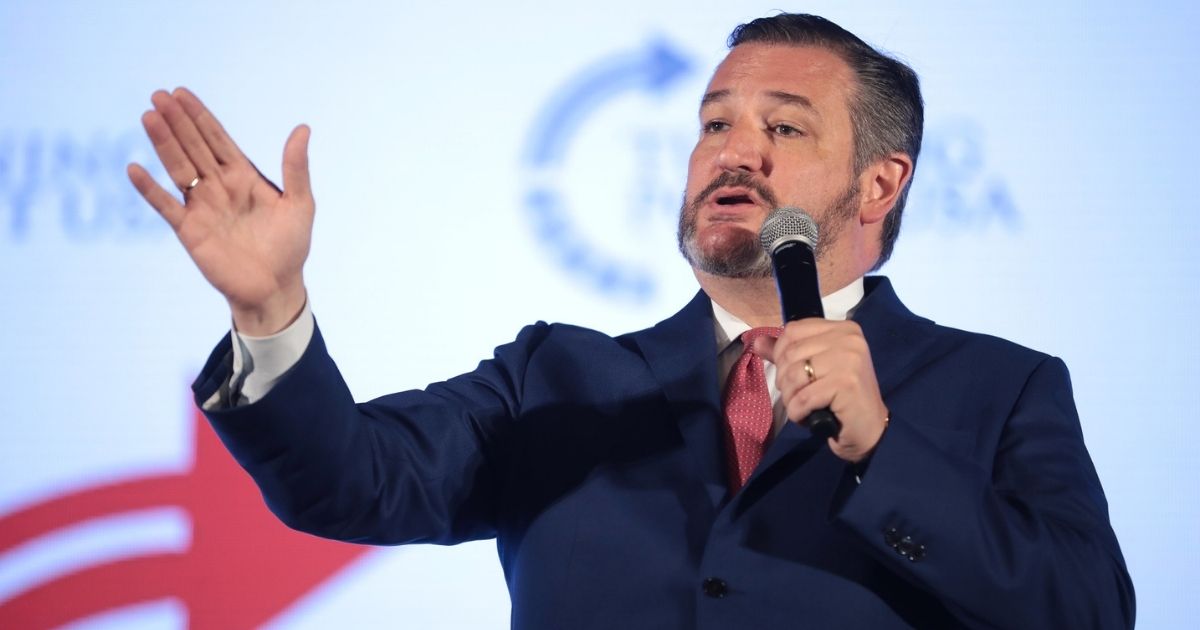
[[733, 200]]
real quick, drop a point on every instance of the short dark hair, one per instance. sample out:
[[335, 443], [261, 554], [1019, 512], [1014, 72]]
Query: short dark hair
[[886, 111]]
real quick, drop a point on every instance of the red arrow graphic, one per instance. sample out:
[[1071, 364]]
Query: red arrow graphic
[[242, 569]]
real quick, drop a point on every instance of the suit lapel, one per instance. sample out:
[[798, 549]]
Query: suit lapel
[[682, 354], [897, 338]]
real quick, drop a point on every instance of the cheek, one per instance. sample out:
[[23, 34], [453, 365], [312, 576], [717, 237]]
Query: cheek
[[804, 184], [694, 166], [695, 174]]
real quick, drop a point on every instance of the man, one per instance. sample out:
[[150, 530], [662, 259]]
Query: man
[[623, 488]]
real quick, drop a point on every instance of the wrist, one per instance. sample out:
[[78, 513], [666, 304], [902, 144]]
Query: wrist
[[860, 465], [274, 314]]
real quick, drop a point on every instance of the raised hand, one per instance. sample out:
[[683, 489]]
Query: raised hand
[[248, 238]]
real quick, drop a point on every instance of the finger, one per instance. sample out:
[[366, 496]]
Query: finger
[[836, 364], [790, 380], [186, 134], [170, 153], [808, 327], [808, 341], [819, 332], [816, 395], [223, 148], [789, 352], [295, 163], [158, 197]]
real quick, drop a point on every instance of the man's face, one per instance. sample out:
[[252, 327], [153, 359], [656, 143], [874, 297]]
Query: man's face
[[775, 131]]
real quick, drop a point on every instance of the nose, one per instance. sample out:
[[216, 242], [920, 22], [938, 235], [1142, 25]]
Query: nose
[[744, 150]]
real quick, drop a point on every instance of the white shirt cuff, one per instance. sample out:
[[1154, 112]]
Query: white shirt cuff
[[259, 362]]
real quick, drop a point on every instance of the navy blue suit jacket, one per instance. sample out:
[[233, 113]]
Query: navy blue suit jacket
[[597, 464]]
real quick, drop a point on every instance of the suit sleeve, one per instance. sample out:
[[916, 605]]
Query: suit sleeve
[[1024, 543], [417, 466]]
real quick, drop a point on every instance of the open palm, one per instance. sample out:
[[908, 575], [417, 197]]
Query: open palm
[[248, 238]]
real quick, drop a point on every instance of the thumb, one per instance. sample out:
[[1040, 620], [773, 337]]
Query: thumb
[[295, 163], [764, 347]]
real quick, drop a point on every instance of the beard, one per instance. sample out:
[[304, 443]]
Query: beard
[[739, 253]]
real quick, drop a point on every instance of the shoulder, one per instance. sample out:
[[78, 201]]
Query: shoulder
[[987, 346], [557, 350], [560, 339], [691, 327]]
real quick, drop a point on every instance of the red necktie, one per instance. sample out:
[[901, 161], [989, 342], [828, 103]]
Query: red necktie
[[748, 411]]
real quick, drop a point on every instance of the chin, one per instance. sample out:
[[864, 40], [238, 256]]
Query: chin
[[727, 238], [729, 251]]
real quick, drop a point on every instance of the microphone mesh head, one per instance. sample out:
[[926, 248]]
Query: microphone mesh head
[[787, 224]]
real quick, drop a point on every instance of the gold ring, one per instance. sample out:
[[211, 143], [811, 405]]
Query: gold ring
[[192, 184], [808, 369]]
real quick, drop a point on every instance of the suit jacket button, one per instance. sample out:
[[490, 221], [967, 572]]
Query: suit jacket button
[[891, 537], [714, 587], [905, 547], [918, 552]]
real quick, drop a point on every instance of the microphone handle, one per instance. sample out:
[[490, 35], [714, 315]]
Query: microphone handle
[[799, 294], [823, 423]]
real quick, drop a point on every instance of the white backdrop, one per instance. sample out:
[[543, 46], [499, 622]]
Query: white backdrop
[[1052, 206]]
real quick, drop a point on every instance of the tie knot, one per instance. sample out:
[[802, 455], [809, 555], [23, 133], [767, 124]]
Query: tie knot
[[749, 336]]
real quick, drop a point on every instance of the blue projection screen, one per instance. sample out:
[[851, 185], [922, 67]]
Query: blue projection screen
[[1050, 207]]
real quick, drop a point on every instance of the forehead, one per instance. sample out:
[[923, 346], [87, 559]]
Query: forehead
[[754, 69]]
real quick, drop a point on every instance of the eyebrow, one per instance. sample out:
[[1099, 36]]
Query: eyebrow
[[785, 98], [713, 97], [788, 98]]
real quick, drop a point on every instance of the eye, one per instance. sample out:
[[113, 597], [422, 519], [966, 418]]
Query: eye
[[783, 129], [715, 126]]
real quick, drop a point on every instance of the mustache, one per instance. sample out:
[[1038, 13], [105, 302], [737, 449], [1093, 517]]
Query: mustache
[[738, 179]]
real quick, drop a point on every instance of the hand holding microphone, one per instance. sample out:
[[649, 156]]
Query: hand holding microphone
[[823, 368]]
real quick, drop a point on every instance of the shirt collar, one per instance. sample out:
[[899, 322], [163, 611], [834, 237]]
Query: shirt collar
[[838, 305]]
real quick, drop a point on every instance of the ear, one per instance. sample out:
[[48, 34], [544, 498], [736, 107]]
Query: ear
[[881, 184]]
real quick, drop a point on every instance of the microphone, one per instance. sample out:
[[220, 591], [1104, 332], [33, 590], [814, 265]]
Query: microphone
[[789, 236]]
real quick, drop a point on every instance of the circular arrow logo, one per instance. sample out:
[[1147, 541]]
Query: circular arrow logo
[[653, 70]]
